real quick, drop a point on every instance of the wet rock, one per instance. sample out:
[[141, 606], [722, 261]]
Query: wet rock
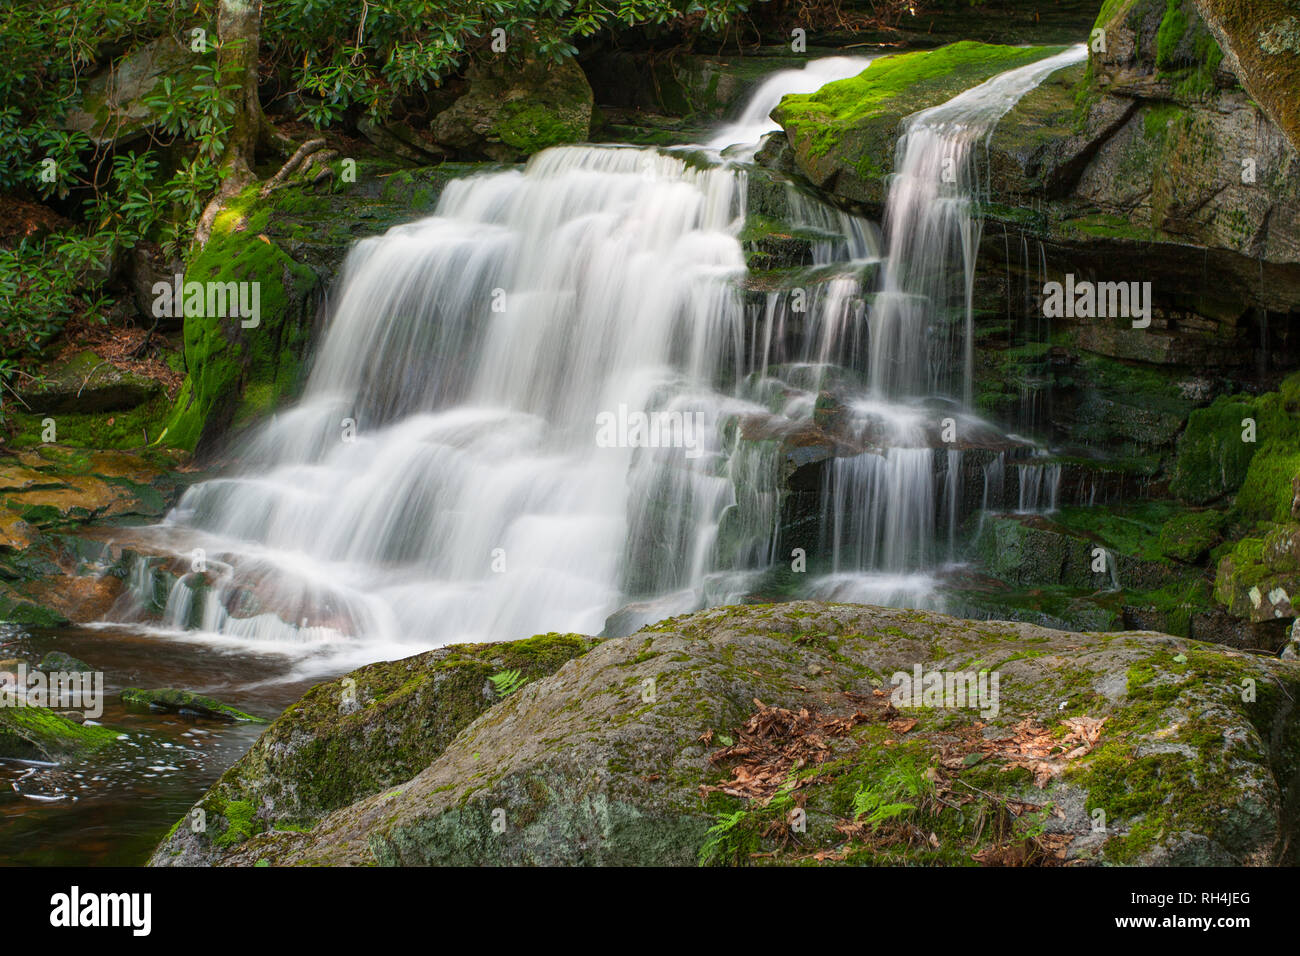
[[186, 703], [56, 661], [37, 733], [844, 135], [620, 757], [700, 88]]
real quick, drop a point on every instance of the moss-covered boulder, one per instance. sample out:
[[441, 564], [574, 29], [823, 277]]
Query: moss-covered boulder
[[351, 738], [169, 700], [511, 111], [1262, 40], [770, 734], [1082, 548], [234, 362], [85, 382], [844, 135], [37, 733], [1259, 578]]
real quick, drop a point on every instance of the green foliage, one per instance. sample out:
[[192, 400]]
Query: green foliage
[[735, 836], [353, 55], [507, 682], [897, 792]]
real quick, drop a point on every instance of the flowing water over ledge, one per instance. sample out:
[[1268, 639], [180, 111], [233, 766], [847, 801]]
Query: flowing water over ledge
[[447, 476]]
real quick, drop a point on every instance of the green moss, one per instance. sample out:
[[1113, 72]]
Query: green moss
[[530, 126], [1170, 35], [1148, 794], [889, 80], [241, 823], [1212, 459], [222, 357], [1188, 536], [183, 701], [38, 733]]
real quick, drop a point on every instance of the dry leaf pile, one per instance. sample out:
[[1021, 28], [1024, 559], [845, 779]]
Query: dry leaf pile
[[775, 742]]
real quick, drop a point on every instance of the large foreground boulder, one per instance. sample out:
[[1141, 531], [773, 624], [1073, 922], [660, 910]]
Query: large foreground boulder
[[771, 734]]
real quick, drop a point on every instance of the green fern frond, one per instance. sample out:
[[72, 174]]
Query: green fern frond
[[507, 682]]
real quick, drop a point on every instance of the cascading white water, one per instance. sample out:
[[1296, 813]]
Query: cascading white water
[[442, 475], [755, 121], [923, 316], [883, 508], [471, 458]]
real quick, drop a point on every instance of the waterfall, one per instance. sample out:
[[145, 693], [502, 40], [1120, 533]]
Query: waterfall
[[923, 321], [527, 411], [755, 120]]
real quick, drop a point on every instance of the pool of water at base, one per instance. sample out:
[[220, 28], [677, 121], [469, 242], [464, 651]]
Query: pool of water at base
[[112, 808]]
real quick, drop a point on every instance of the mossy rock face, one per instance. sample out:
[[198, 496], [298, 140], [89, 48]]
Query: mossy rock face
[[351, 738], [228, 363], [293, 242], [37, 733], [1212, 458], [512, 111], [844, 135], [616, 758], [86, 383], [1258, 580], [1262, 39], [1036, 551], [1152, 155]]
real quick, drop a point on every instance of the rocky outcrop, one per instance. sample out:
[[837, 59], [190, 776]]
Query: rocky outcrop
[[1261, 43], [844, 135], [771, 734], [113, 105], [86, 383], [358, 736], [511, 111]]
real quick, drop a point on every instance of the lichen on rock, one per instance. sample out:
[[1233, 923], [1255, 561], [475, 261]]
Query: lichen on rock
[[622, 755]]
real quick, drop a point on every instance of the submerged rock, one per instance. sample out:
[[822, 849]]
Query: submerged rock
[[184, 702], [59, 661], [628, 754]]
